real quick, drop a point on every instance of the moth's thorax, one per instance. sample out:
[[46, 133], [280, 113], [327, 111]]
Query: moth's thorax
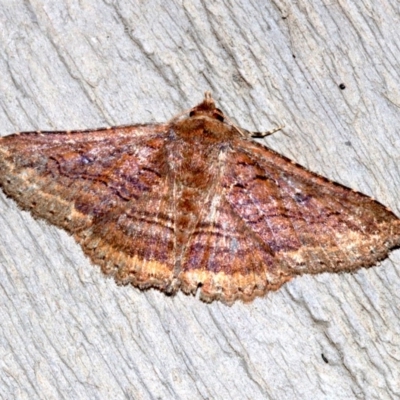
[[204, 128]]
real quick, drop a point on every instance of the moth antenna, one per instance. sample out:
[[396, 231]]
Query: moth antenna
[[249, 134], [267, 133]]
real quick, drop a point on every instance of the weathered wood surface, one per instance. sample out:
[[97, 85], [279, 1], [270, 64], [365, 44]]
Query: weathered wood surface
[[66, 332]]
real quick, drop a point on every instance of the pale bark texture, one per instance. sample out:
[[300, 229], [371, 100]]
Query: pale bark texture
[[67, 332]]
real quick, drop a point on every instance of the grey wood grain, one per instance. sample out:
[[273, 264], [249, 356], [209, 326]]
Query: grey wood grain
[[67, 332]]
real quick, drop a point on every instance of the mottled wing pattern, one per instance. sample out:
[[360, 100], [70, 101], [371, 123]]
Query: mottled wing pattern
[[109, 188], [308, 223], [267, 219]]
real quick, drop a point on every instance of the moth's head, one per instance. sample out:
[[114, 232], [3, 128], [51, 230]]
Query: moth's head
[[207, 109]]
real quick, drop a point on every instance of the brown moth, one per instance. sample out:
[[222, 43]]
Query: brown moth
[[193, 204]]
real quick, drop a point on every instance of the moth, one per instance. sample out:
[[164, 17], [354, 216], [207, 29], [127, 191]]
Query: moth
[[193, 204]]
